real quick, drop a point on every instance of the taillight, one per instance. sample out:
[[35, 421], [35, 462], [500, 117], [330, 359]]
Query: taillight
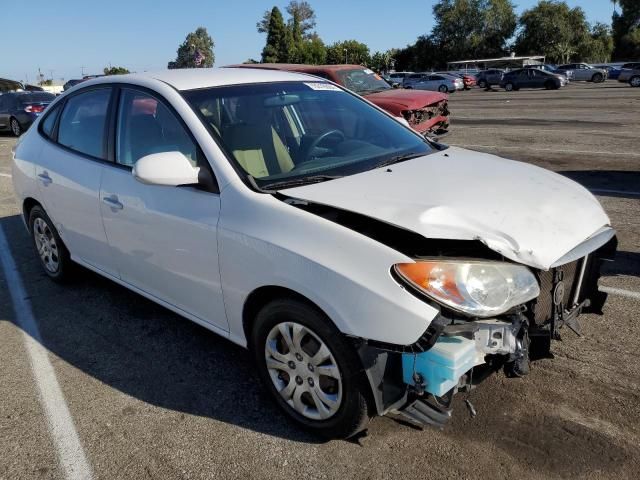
[[34, 108]]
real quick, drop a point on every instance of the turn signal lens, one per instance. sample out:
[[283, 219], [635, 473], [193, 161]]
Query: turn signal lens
[[477, 288]]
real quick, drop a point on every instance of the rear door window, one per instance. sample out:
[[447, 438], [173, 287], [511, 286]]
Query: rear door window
[[83, 122], [49, 122]]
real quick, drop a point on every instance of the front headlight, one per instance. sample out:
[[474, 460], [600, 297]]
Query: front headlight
[[477, 288]]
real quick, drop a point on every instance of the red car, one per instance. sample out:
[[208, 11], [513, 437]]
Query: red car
[[426, 112]]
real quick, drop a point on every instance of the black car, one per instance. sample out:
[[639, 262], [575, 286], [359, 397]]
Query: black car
[[73, 83], [531, 78], [18, 110]]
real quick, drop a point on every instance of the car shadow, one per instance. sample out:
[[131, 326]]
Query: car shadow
[[142, 349], [608, 183]]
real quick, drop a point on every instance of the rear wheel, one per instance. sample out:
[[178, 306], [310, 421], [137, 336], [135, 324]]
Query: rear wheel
[[634, 81], [310, 368], [597, 78], [16, 129], [53, 255]]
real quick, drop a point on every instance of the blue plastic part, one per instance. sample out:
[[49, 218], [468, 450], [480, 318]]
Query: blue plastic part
[[441, 366]]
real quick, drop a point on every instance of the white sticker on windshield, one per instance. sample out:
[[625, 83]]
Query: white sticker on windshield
[[367, 71], [322, 86]]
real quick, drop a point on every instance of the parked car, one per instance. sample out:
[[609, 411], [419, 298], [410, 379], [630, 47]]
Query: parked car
[[531, 78], [487, 78], [427, 113], [435, 82], [18, 110], [630, 73], [584, 72], [468, 80], [396, 78], [612, 72], [290, 216], [547, 67], [73, 83]]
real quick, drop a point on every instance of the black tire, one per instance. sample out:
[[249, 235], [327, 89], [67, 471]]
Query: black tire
[[509, 87], [549, 85], [597, 78], [635, 81], [64, 272], [352, 415], [443, 89], [15, 127], [482, 83]]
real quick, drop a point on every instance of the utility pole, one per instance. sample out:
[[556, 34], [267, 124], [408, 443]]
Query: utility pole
[[345, 56], [82, 70]]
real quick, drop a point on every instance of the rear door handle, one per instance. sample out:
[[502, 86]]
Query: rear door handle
[[45, 178], [113, 202]]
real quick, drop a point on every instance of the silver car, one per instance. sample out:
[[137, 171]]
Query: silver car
[[435, 82], [584, 72], [630, 73]]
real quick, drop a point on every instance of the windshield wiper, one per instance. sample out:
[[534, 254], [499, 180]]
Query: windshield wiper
[[298, 182], [399, 158]]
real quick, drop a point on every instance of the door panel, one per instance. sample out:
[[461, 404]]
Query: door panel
[[164, 242], [163, 239], [69, 181]]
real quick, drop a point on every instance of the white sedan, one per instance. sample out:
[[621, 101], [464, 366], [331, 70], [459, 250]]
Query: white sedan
[[370, 271]]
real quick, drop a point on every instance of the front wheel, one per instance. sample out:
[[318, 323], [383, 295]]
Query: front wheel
[[54, 256], [310, 368], [509, 87], [16, 129], [443, 89], [597, 78], [482, 84], [634, 81]]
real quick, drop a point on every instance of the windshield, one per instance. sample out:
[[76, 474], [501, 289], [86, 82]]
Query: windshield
[[292, 132], [362, 80]]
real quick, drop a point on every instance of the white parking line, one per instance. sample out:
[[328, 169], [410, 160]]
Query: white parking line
[[506, 127], [551, 150], [621, 292], [8, 175], [65, 438]]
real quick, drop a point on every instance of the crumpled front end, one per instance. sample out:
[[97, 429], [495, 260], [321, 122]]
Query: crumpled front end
[[418, 382], [430, 119]]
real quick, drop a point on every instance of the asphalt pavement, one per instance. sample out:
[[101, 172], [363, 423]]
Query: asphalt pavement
[[151, 395]]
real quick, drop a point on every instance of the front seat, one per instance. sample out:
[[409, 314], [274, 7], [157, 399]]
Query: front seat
[[254, 142]]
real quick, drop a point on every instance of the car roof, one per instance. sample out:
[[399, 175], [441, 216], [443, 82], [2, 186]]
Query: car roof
[[298, 67], [194, 78]]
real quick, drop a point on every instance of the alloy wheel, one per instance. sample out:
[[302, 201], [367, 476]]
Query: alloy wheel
[[303, 370], [15, 127], [46, 245], [635, 82]]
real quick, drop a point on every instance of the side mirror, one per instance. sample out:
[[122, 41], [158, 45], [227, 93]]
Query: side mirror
[[166, 168]]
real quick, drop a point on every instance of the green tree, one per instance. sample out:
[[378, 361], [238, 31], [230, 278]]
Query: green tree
[[303, 15], [115, 71], [312, 51], [626, 30], [597, 47], [553, 29], [381, 61], [348, 51], [471, 28], [195, 52], [279, 46]]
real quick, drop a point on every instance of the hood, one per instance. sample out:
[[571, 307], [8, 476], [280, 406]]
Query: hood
[[405, 99], [527, 214]]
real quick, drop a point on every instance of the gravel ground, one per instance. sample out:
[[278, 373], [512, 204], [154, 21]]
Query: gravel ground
[[154, 396]]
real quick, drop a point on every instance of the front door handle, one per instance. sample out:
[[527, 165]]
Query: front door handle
[[113, 202], [45, 178]]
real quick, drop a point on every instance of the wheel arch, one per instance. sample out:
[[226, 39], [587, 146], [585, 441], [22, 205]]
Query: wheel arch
[[261, 296], [27, 206]]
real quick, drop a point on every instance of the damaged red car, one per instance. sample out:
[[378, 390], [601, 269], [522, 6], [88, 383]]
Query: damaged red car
[[426, 112]]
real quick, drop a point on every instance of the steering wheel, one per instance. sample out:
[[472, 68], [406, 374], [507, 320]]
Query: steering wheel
[[321, 139]]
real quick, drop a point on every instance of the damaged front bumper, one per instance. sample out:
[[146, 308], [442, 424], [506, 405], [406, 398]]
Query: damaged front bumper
[[418, 382]]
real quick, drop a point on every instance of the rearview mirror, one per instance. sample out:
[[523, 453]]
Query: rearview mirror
[[166, 168]]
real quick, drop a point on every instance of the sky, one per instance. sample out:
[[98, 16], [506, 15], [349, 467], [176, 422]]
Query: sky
[[68, 37]]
